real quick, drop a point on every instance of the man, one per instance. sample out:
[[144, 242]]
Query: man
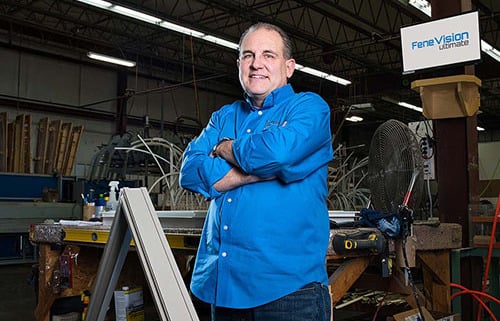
[[263, 164]]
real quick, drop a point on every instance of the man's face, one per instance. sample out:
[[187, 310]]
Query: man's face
[[262, 65]]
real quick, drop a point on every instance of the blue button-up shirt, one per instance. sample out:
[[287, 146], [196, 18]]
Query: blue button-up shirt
[[264, 240]]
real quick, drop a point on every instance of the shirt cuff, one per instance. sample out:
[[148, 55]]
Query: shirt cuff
[[216, 171]]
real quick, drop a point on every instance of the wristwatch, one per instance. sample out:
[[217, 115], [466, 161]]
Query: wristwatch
[[214, 150]]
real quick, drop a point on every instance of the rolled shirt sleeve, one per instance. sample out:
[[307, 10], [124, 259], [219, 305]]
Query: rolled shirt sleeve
[[199, 171]]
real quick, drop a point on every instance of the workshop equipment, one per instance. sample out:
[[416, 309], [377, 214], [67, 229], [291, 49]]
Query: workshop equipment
[[393, 158], [359, 241], [363, 241]]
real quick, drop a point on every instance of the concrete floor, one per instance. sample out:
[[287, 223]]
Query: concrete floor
[[17, 295]]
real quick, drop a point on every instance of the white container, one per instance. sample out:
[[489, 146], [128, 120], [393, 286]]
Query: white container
[[113, 200], [129, 304]]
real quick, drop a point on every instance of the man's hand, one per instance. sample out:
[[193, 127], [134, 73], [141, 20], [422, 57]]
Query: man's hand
[[224, 150], [236, 178]]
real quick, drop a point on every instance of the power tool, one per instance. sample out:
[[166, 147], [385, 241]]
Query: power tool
[[360, 240]]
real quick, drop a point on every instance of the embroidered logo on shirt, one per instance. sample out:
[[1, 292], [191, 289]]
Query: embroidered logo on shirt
[[271, 123]]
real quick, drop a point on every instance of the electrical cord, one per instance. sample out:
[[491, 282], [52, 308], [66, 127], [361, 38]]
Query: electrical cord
[[429, 194], [476, 295], [412, 283], [490, 252], [406, 220], [381, 303]]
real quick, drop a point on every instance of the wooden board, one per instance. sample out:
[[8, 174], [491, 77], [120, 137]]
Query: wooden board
[[345, 276], [52, 146], [41, 146], [73, 142], [62, 147], [26, 145], [10, 146], [3, 141], [18, 144]]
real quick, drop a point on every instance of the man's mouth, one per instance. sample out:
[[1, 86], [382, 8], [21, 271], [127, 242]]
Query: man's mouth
[[258, 76]]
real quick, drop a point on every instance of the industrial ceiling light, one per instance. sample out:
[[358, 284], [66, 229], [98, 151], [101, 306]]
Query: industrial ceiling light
[[410, 106], [421, 5], [354, 119], [490, 50], [425, 7], [113, 60], [362, 106], [402, 104], [197, 34], [322, 74]]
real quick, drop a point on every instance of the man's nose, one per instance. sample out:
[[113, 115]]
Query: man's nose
[[257, 62]]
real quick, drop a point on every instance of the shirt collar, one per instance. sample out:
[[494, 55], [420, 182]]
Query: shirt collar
[[276, 96]]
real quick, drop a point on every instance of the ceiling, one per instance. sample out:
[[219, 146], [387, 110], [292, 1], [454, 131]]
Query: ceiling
[[354, 39]]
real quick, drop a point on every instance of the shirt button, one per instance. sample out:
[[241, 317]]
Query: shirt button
[[229, 200], [224, 254], [225, 227], [259, 112], [249, 130]]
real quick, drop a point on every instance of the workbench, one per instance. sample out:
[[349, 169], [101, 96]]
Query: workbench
[[81, 247], [428, 247]]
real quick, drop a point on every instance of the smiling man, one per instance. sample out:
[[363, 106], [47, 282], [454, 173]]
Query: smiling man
[[263, 164]]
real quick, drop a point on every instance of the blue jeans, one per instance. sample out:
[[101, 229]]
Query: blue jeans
[[310, 303]]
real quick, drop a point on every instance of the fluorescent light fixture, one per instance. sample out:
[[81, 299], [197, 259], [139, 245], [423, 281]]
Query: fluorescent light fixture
[[354, 119], [98, 3], [480, 129], [197, 34], [222, 42], [490, 50], [402, 104], [362, 106], [425, 7], [181, 29], [421, 5], [135, 14], [113, 60], [409, 106], [323, 75]]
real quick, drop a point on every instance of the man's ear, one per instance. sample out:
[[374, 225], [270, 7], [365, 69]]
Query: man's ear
[[290, 67]]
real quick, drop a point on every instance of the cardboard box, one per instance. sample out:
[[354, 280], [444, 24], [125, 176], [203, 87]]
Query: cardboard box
[[129, 304], [453, 317], [449, 97], [412, 315]]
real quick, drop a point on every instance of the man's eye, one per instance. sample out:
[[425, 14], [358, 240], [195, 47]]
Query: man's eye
[[246, 57]]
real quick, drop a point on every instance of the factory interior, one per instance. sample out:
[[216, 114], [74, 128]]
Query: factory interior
[[86, 144]]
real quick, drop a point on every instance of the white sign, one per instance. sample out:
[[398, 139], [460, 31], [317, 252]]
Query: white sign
[[441, 42]]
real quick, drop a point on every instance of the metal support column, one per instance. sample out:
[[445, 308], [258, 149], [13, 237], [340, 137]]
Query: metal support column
[[457, 166]]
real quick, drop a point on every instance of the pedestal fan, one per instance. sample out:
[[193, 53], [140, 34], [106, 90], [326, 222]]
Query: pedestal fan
[[395, 178], [394, 160]]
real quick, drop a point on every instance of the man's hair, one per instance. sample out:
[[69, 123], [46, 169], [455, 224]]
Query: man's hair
[[287, 43]]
